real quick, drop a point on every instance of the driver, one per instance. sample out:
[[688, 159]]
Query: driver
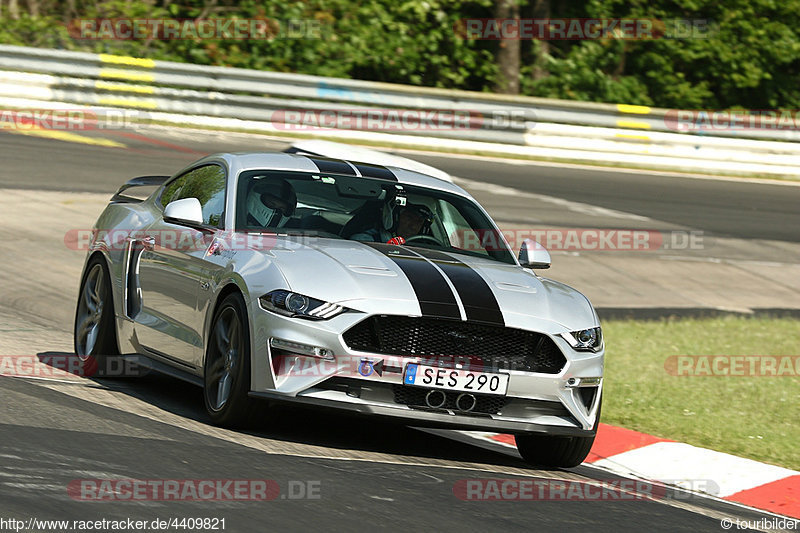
[[270, 203], [409, 220]]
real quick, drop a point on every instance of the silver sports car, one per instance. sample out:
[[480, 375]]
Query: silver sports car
[[368, 288]]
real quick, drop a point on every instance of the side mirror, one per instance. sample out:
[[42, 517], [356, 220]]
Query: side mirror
[[186, 211], [533, 255]]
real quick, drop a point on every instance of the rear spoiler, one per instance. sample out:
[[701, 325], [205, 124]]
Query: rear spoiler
[[141, 181]]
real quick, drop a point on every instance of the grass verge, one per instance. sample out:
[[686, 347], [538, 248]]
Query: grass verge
[[753, 417]]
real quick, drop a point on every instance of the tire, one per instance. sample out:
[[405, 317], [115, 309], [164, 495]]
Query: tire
[[94, 332], [226, 370], [556, 452]]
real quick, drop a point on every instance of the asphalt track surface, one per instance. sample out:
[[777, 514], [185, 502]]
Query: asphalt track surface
[[370, 475], [728, 208]]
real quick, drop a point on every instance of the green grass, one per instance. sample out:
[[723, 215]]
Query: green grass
[[754, 417]]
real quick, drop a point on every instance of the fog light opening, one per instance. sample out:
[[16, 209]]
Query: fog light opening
[[582, 382]]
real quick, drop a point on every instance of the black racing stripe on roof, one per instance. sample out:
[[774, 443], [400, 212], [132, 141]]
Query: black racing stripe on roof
[[332, 166], [436, 298], [479, 301], [375, 171]]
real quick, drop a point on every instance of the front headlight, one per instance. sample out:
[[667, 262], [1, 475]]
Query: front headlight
[[585, 340], [298, 305]]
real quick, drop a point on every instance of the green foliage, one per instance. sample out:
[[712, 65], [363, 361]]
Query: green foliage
[[749, 58], [42, 32]]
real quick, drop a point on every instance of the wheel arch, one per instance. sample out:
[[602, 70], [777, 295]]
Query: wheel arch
[[232, 286], [103, 257]]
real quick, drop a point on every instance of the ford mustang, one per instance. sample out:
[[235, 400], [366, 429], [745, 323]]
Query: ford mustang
[[371, 288]]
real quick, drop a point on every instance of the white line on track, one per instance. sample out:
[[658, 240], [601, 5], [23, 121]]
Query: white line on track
[[576, 207]]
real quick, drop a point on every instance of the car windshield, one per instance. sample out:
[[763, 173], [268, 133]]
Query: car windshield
[[364, 209]]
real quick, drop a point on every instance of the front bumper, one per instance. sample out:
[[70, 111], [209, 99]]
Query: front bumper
[[429, 418], [535, 402]]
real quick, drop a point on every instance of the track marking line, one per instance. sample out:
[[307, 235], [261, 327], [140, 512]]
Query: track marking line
[[66, 136], [505, 442], [576, 207]]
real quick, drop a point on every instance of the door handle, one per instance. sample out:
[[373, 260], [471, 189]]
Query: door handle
[[148, 243]]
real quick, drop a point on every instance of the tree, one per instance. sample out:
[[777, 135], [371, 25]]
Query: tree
[[508, 51], [540, 9]]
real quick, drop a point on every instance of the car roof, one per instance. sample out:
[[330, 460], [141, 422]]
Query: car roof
[[242, 161], [317, 147]]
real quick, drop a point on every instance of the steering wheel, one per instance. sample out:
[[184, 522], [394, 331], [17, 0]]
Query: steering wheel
[[418, 238]]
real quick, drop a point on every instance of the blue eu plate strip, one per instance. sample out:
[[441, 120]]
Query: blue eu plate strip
[[411, 374]]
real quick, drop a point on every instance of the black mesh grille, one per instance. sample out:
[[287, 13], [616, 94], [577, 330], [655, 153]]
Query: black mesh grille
[[492, 347], [415, 396]]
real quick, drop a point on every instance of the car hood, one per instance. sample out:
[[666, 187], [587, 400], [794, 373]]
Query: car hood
[[368, 278]]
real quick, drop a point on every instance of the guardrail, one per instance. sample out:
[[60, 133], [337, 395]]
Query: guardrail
[[167, 91]]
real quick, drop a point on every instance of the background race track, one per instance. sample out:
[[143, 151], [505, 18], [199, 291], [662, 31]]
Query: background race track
[[370, 476]]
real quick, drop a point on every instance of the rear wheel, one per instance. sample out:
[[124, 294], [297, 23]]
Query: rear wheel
[[227, 365], [554, 451], [95, 336]]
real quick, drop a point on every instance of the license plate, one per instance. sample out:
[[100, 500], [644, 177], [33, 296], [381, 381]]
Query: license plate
[[456, 380]]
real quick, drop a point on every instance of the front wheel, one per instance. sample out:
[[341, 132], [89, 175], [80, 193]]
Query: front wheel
[[95, 335], [227, 365], [553, 451]]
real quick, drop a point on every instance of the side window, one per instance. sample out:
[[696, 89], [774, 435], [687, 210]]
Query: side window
[[459, 231], [207, 184], [172, 190]]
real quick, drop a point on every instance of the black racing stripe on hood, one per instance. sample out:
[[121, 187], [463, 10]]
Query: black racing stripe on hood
[[332, 166], [375, 171], [479, 301], [435, 297]]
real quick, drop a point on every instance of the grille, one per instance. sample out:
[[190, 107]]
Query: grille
[[416, 396], [492, 347]]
